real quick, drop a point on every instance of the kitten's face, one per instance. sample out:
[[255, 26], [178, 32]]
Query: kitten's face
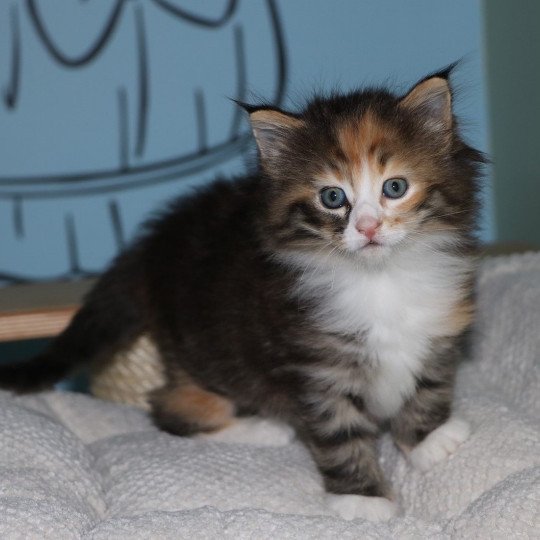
[[368, 174], [368, 196]]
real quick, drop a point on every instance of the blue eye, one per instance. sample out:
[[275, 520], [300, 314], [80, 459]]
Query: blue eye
[[333, 197], [394, 188]]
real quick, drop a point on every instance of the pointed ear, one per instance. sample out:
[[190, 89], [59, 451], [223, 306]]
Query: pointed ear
[[431, 101], [272, 130]]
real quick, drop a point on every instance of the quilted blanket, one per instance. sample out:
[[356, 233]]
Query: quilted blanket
[[72, 466]]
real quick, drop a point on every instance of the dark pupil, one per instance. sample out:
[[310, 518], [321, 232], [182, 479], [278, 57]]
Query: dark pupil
[[333, 195], [395, 186]]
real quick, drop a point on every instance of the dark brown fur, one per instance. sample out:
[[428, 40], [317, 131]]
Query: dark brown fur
[[207, 283]]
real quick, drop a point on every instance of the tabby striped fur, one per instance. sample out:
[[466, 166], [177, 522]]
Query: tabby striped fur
[[264, 300]]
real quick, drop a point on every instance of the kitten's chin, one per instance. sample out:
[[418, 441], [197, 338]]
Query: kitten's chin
[[373, 254]]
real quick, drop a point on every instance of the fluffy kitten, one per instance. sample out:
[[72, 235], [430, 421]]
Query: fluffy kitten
[[330, 290]]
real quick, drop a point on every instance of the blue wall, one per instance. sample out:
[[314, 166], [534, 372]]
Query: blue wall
[[111, 107]]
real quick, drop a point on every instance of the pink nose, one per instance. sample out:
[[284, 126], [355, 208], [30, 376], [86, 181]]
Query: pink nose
[[368, 226]]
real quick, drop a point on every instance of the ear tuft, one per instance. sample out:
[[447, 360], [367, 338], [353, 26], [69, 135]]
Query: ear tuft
[[445, 73], [431, 101], [271, 129], [246, 106]]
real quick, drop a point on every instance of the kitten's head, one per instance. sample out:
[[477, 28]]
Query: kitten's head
[[368, 173]]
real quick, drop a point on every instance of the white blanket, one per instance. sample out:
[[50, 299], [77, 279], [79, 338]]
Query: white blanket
[[72, 466]]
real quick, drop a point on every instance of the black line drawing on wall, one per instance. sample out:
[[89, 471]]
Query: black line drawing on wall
[[154, 58]]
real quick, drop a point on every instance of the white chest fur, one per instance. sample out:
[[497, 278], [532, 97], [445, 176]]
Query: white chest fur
[[396, 311]]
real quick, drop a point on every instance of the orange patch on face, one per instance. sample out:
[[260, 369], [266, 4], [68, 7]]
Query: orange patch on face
[[364, 142], [198, 406]]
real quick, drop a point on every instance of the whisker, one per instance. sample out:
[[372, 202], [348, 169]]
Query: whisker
[[318, 266], [436, 216], [307, 266]]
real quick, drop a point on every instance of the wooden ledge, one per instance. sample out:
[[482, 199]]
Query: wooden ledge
[[39, 310]]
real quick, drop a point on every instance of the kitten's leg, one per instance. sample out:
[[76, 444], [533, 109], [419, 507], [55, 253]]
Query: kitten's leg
[[424, 429], [184, 408], [342, 441]]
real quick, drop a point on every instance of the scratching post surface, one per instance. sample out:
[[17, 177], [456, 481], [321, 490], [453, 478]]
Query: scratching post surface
[[131, 375]]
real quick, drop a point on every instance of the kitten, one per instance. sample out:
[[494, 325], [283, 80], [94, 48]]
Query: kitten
[[330, 290]]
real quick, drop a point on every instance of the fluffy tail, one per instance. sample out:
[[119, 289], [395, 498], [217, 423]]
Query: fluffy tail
[[110, 320]]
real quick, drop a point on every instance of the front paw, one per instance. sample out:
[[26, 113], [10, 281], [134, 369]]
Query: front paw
[[359, 506], [439, 444]]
